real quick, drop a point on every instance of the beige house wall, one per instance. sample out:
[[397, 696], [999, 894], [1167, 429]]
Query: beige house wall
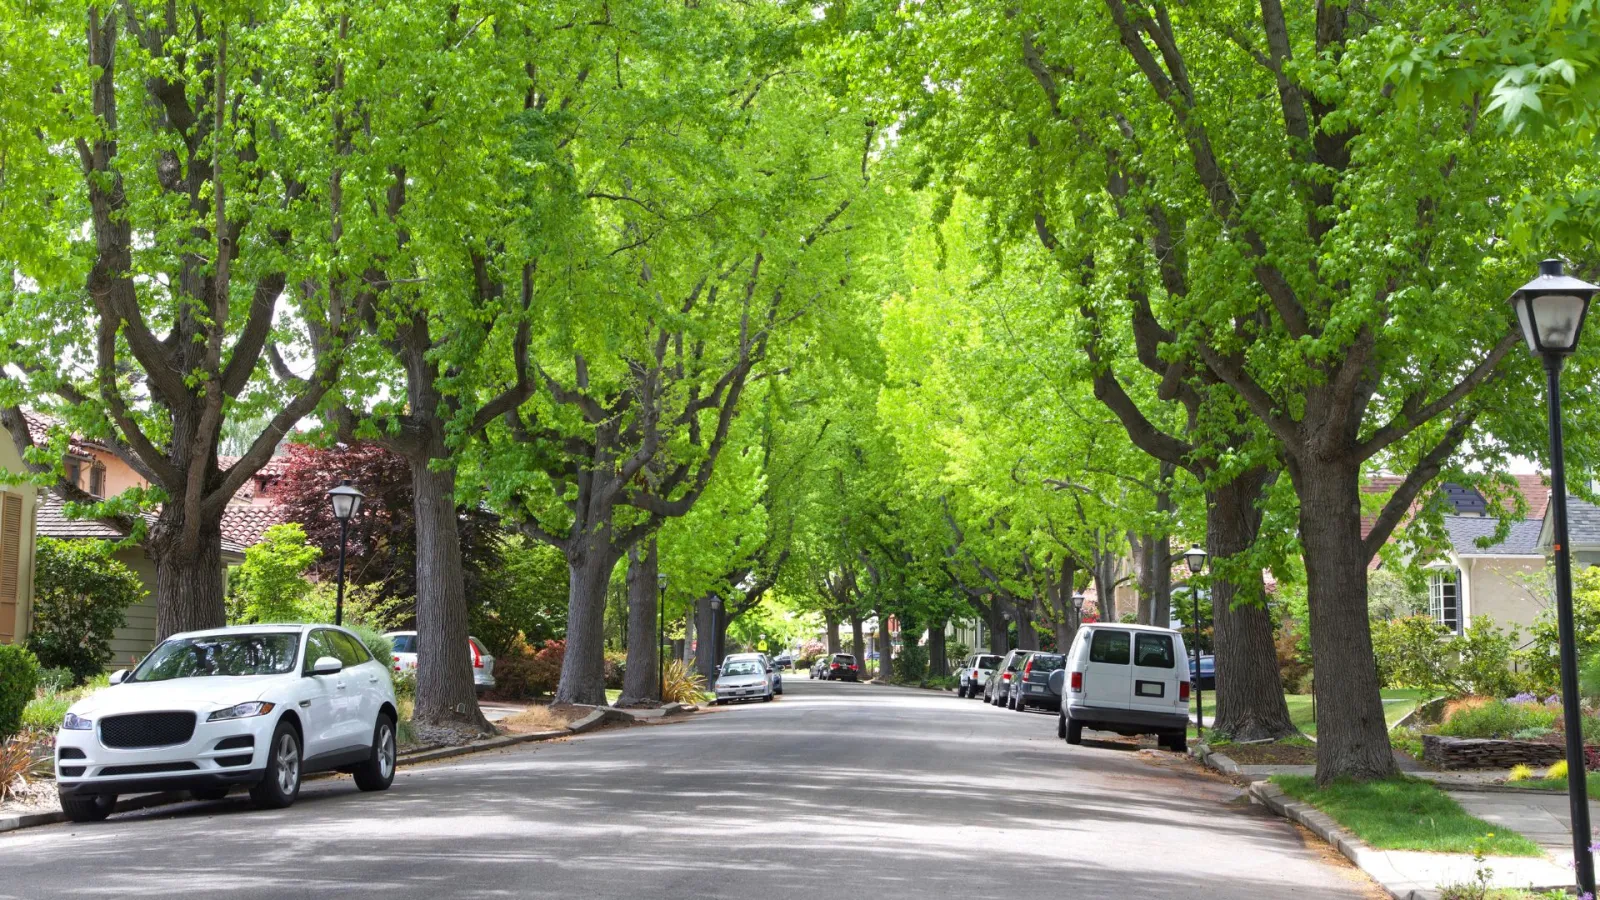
[[1495, 587], [138, 632], [15, 618]]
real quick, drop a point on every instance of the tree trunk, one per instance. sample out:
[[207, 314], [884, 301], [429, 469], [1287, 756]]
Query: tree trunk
[[583, 675], [1027, 635], [640, 677], [189, 589], [1352, 737], [1249, 693], [858, 644], [1066, 617], [1105, 584], [885, 649], [833, 632], [446, 697], [998, 644], [938, 656], [704, 649]]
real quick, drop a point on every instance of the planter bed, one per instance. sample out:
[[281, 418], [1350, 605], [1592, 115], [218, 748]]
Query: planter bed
[[1483, 753]]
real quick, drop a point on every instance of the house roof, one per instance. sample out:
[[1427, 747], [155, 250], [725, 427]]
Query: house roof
[[52, 521], [1466, 531], [1583, 526], [244, 524], [1536, 491], [274, 466]]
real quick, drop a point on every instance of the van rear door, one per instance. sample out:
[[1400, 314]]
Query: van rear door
[[1156, 673], [1105, 674]]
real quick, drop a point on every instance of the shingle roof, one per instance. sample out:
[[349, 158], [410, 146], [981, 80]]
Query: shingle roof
[[51, 521], [1583, 523], [244, 524], [1465, 531]]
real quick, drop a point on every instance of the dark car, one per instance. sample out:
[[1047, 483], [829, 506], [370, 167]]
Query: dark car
[[999, 683], [819, 667], [1208, 672], [1031, 686], [783, 661], [843, 667]]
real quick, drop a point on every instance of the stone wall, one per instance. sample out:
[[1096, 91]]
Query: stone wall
[[1478, 753]]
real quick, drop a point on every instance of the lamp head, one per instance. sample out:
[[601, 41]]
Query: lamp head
[[1196, 559], [346, 500], [1077, 601], [1551, 310]]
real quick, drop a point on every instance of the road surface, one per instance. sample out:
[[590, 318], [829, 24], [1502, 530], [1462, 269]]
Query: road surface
[[834, 791]]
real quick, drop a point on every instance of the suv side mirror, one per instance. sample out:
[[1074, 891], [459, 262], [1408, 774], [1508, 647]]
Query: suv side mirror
[[327, 665], [119, 676]]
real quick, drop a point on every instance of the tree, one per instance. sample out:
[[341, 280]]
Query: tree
[[163, 183], [80, 593], [271, 585]]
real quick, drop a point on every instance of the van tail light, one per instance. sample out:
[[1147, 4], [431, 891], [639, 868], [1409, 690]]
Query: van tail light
[[477, 658], [1077, 682], [1005, 676], [1183, 691]]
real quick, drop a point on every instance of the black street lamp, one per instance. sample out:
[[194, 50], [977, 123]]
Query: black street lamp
[[661, 637], [716, 632], [346, 503], [1195, 558], [1551, 310]]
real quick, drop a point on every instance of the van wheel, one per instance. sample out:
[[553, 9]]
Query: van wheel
[[1074, 733], [88, 807], [1179, 743], [280, 785], [376, 772], [1061, 725]]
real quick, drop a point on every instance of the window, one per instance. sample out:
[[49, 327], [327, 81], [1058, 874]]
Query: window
[[10, 564], [1109, 647], [1047, 662], [97, 482], [350, 651], [318, 646], [270, 653], [405, 643], [1153, 650], [1444, 598], [74, 472]]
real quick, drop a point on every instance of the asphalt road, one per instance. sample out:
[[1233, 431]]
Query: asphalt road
[[834, 791]]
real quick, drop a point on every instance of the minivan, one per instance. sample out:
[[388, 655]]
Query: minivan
[[1129, 679]]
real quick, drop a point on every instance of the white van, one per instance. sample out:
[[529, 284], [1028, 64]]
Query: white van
[[1130, 679]]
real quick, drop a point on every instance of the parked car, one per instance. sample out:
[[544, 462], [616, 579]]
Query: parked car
[[1208, 671], [256, 706], [974, 670], [819, 667], [405, 658], [998, 686], [784, 661], [1031, 686], [744, 676], [1126, 679], [843, 667]]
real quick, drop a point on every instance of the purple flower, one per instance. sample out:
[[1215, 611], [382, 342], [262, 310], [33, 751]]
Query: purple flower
[[1554, 700], [1525, 697]]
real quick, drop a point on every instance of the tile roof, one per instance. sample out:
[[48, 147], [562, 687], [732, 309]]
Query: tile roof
[[1465, 532], [52, 521], [244, 524], [1536, 490], [274, 466]]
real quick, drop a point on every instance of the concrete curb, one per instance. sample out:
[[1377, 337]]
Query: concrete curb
[[1214, 760], [596, 717]]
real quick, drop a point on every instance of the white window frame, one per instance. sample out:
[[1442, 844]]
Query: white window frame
[[1444, 597]]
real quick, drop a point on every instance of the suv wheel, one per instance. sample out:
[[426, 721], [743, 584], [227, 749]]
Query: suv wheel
[[281, 783], [88, 807], [376, 772]]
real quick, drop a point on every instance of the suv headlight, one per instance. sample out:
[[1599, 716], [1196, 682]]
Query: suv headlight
[[242, 711], [75, 722]]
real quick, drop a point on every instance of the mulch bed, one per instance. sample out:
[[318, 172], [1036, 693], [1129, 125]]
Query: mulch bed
[[1269, 754]]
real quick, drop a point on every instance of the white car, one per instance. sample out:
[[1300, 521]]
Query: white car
[[405, 658], [1129, 679], [744, 676], [974, 671], [255, 706]]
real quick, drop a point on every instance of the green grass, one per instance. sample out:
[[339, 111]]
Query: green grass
[[612, 695], [1557, 784], [1406, 814], [1301, 710]]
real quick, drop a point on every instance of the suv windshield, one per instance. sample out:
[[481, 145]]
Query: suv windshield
[[742, 667], [268, 653], [988, 662]]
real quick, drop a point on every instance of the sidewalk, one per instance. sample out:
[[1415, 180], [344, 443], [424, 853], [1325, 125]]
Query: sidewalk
[[1540, 816]]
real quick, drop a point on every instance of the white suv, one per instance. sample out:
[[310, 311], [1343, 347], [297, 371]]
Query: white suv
[[257, 706], [405, 658]]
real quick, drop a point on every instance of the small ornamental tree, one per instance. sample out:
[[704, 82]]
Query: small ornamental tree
[[80, 595], [271, 586]]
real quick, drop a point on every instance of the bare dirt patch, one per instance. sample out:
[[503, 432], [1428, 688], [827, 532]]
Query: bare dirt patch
[[1270, 754], [541, 717]]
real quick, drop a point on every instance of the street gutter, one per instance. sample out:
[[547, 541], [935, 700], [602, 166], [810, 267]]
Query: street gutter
[[597, 717]]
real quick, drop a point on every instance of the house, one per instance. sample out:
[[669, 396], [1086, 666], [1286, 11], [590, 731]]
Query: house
[[1494, 580], [1583, 533], [17, 502]]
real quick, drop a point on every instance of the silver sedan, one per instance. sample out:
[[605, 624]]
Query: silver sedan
[[744, 679]]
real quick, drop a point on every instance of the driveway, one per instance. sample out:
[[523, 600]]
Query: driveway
[[835, 790]]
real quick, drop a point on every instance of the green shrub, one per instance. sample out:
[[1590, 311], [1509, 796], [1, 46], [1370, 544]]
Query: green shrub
[[79, 596], [526, 594], [45, 713], [379, 646], [1415, 652], [1486, 655], [19, 678], [616, 668], [405, 684], [1542, 657], [942, 682], [55, 680], [271, 585], [911, 666], [1499, 719]]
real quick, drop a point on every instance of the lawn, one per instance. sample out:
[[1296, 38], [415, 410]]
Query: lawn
[[1396, 703], [1406, 814], [1558, 784]]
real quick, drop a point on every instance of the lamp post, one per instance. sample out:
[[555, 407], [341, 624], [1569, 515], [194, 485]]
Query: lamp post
[[1196, 560], [716, 633], [661, 638], [1077, 608], [1551, 309], [346, 503]]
